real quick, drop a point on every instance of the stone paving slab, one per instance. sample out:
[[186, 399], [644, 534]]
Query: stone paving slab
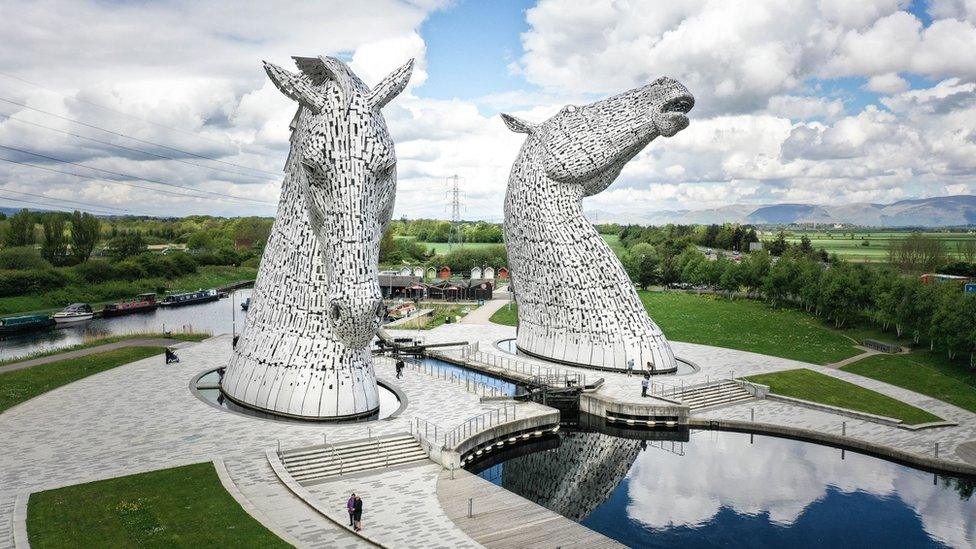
[[142, 417]]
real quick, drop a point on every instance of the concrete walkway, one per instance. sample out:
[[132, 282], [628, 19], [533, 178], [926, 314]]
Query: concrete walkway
[[137, 342], [851, 360], [482, 315]]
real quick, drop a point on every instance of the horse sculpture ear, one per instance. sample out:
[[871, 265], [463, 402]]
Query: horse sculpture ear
[[295, 86], [517, 125], [391, 86]]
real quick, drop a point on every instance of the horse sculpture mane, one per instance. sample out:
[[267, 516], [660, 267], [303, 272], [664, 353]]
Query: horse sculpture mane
[[576, 303], [316, 303]]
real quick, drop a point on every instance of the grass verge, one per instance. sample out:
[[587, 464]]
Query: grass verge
[[816, 387], [105, 340], [21, 385], [506, 316], [179, 507], [923, 373]]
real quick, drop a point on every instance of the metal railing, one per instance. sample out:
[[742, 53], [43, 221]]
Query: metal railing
[[538, 372], [480, 423], [451, 375]]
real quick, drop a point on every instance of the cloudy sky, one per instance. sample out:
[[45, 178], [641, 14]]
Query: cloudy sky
[[827, 101]]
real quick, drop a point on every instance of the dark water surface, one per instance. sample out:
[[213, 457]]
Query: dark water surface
[[721, 489], [216, 317]]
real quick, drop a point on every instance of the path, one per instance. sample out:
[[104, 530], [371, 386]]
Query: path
[[136, 342], [482, 315], [850, 360]]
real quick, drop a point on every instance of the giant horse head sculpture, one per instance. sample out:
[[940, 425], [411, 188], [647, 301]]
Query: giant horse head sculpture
[[576, 302], [349, 179], [303, 350]]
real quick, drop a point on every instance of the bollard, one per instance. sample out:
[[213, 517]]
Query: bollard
[[279, 447], [470, 507], [752, 414], [936, 450], [452, 471], [843, 428]]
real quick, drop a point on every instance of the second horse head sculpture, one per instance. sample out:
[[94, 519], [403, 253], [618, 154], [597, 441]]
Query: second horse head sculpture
[[576, 303]]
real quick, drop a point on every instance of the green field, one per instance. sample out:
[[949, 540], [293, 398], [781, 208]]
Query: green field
[[22, 385], [507, 316], [105, 340], [98, 294], [742, 324], [922, 372], [441, 247], [840, 242], [816, 387], [180, 507]]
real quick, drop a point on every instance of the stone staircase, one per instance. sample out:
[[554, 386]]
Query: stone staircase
[[713, 394], [309, 465]]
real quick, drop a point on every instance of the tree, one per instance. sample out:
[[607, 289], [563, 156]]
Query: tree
[[21, 229], [55, 245], [951, 321], [389, 251], [779, 246], [780, 284], [126, 245], [841, 294], [805, 246], [967, 249], [731, 278], [85, 229], [755, 267], [917, 253], [645, 264]]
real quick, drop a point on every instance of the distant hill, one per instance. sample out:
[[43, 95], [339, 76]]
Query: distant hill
[[940, 211]]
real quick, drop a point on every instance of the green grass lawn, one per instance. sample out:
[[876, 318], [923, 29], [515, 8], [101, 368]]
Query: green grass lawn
[[742, 324], [97, 294], [506, 316], [924, 373], [839, 242], [21, 385], [179, 507], [105, 340], [816, 387]]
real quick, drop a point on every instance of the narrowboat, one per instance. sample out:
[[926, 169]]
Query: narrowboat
[[139, 304], [76, 312], [26, 323], [190, 298]]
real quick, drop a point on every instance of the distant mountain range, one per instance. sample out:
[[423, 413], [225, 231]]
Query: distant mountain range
[[940, 211]]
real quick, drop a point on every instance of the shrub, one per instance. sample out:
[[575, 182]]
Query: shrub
[[252, 263], [129, 270], [22, 258], [30, 282], [95, 272]]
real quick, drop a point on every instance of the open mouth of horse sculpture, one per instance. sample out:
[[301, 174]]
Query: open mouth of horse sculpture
[[316, 303], [576, 303]]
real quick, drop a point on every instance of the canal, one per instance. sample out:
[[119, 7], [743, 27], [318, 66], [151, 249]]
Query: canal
[[216, 317]]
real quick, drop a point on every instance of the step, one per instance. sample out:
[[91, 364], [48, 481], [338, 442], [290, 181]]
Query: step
[[341, 446], [713, 401], [378, 461], [379, 456], [324, 473], [716, 403], [343, 453], [708, 396]]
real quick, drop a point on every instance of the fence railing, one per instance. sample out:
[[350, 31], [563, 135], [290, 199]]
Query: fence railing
[[435, 435], [539, 373], [451, 375]]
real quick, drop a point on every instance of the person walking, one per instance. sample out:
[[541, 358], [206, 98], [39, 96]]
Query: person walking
[[630, 367], [645, 383], [399, 368], [351, 508], [358, 513]]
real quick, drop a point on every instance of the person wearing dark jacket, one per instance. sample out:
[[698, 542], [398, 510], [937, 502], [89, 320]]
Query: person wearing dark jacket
[[358, 513]]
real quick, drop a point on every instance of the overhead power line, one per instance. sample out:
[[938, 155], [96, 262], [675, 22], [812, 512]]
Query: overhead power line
[[24, 201], [129, 176], [66, 200], [126, 183], [92, 126], [116, 111], [140, 151]]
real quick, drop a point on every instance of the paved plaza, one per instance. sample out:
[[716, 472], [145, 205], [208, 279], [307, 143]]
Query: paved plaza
[[142, 416]]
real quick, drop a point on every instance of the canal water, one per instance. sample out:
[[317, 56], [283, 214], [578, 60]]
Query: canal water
[[216, 317], [722, 489]]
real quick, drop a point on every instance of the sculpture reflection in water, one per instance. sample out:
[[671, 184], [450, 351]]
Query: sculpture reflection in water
[[316, 304], [740, 490], [576, 303]]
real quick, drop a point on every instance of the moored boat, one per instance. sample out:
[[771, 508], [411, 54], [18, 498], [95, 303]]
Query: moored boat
[[76, 312], [25, 323], [190, 298], [139, 304]]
